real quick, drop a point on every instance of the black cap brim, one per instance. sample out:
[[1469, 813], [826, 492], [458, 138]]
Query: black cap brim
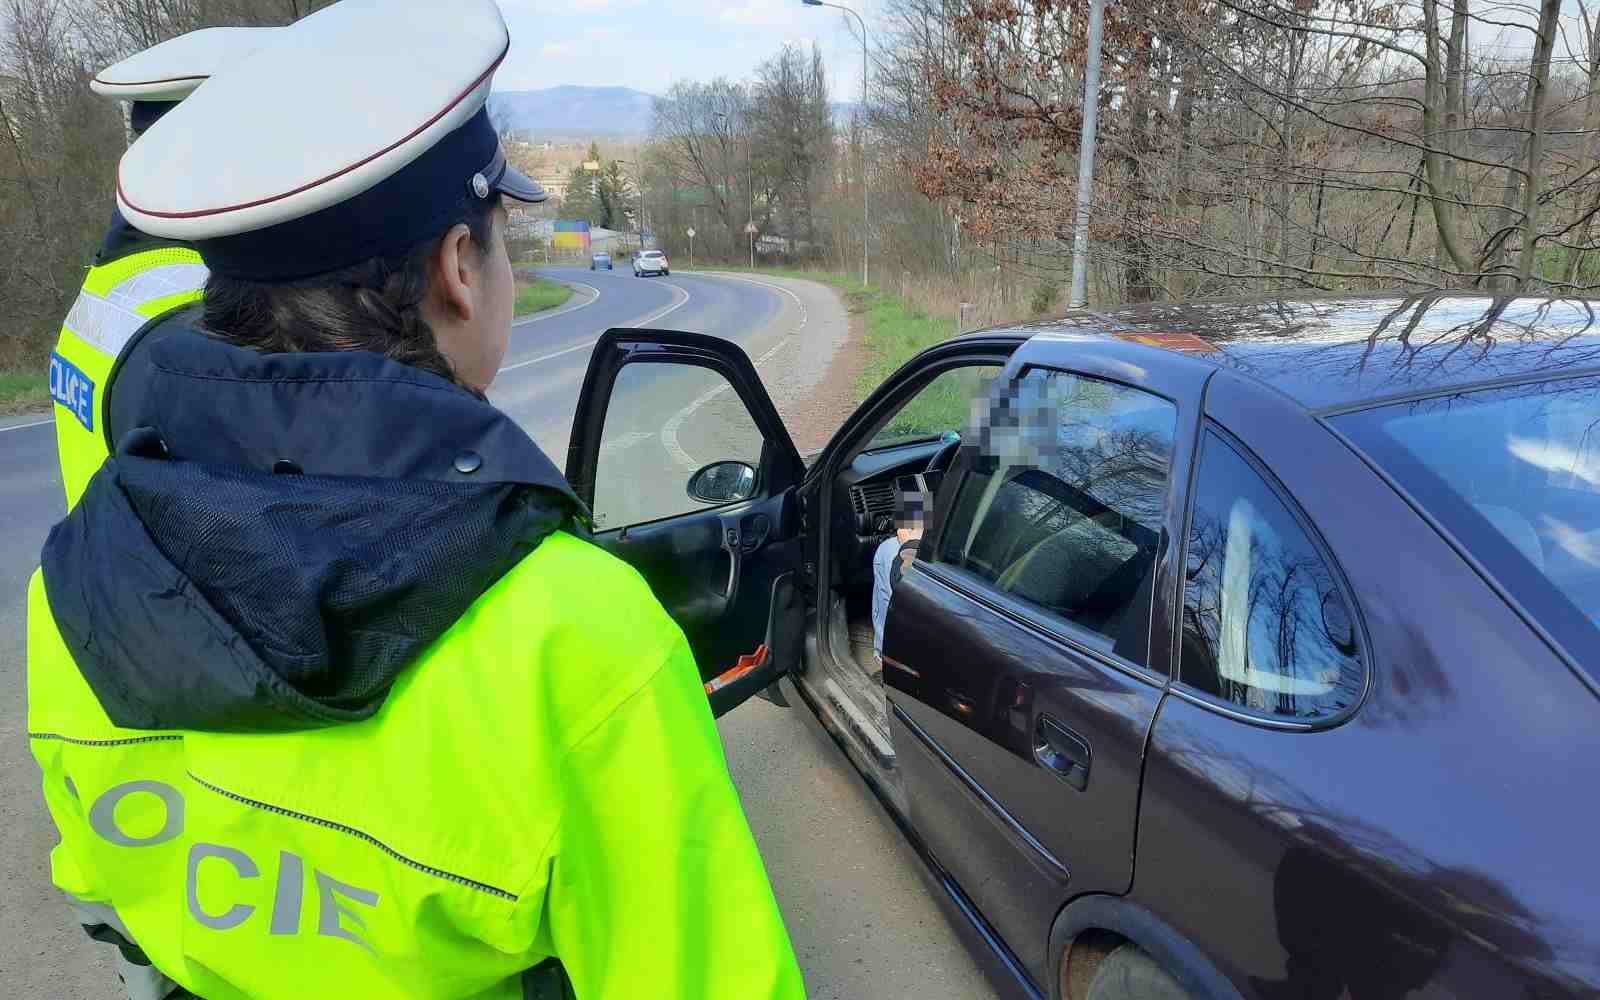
[[513, 183]]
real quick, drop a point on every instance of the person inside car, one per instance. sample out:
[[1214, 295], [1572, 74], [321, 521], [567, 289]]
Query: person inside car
[[895, 553]]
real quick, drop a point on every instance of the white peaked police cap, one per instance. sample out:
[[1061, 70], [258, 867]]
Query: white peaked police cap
[[171, 70], [357, 132]]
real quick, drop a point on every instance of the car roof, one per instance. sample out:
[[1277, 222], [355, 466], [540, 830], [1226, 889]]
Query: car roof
[[1334, 352]]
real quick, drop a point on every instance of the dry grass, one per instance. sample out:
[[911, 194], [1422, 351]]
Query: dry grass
[[23, 391], [975, 300], [992, 296]]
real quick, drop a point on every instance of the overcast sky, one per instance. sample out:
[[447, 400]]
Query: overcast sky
[[647, 44]]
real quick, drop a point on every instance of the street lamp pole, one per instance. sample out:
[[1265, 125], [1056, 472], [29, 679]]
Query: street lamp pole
[[1078, 297], [866, 219]]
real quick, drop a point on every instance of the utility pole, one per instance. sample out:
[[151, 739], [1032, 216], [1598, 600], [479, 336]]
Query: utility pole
[[751, 191], [1078, 297], [861, 116], [640, 184], [593, 166]]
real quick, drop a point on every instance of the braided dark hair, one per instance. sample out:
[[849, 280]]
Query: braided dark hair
[[375, 305]]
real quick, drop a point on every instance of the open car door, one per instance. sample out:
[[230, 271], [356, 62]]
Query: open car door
[[681, 456]]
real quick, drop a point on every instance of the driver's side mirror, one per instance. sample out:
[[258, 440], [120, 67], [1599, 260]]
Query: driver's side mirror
[[723, 482]]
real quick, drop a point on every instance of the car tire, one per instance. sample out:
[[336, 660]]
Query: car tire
[[666, 274], [1130, 974]]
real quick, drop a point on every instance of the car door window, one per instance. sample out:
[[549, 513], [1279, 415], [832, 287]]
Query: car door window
[[1063, 505], [663, 423], [1266, 626], [943, 405]]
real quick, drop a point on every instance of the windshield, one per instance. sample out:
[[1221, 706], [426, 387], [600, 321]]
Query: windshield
[[1514, 474], [652, 253]]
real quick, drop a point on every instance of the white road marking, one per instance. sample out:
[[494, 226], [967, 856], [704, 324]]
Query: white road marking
[[545, 357], [764, 284], [20, 427], [672, 308], [651, 318], [669, 432], [625, 441]]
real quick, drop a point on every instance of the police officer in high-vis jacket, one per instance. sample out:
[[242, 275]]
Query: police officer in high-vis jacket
[[135, 278], [330, 694]]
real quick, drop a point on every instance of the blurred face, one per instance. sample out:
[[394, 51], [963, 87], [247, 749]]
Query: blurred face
[[470, 301]]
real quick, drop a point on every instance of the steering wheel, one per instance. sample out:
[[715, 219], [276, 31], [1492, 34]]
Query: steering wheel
[[946, 455]]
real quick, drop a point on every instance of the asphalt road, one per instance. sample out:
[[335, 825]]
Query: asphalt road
[[857, 910]]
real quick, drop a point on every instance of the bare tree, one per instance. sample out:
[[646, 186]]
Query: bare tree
[[701, 140], [1263, 144], [59, 143], [791, 127]]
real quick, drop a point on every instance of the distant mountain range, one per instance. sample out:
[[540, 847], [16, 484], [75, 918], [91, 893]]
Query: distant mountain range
[[588, 111], [572, 111]]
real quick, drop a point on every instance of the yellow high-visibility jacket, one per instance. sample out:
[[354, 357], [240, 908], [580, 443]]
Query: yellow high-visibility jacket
[[326, 735], [119, 295]]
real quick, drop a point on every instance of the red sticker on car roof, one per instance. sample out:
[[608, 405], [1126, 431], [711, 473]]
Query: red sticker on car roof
[[1172, 341]]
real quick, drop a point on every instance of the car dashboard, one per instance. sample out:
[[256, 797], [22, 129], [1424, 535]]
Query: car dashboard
[[864, 505]]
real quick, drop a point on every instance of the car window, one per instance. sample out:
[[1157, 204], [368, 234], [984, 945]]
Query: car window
[[1266, 627], [943, 405], [663, 423], [1062, 506], [1514, 473]]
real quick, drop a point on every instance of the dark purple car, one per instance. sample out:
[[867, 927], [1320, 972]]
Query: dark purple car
[[1250, 649]]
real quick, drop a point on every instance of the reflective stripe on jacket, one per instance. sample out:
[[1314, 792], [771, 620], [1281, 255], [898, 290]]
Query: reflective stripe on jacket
[[544, 780], [117, 299]]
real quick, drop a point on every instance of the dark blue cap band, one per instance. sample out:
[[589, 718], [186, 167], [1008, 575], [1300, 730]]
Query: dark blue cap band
[[424, 198], [144, 114]]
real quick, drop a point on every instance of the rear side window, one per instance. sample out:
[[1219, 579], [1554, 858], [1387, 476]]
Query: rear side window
[[1064, 503], [1266, 626]]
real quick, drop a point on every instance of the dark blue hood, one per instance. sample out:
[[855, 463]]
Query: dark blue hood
[[276, 537]]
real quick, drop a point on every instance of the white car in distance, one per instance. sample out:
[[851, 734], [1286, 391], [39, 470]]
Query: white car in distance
[[651, 262]]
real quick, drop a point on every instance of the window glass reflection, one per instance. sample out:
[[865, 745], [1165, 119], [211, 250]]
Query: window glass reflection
[[1265, 626], [1063, 505]]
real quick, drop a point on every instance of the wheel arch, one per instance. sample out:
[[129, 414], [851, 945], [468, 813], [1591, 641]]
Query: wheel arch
[[1097, 914]]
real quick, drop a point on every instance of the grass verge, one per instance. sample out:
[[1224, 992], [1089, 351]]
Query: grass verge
[[536, 294], [21, 392], [895, 330]]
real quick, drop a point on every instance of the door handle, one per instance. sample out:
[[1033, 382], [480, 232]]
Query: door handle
[[1061, 750], [733, 547]]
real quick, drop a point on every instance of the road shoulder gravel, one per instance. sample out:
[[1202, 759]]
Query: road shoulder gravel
[[857, 908], [816, 351]]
